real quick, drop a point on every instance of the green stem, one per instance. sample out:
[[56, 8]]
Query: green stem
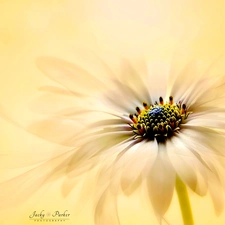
[[184, 202]]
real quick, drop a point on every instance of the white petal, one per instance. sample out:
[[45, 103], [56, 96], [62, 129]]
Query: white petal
[[135, 75], [217, 195], [135, 163], [205, 120], [202, 185], [187, 76], [210, 138], [182, 161], [161, 182], [210, 88], [93, 149], [157, 79], [204, 159], [106, 210], [122, 97]]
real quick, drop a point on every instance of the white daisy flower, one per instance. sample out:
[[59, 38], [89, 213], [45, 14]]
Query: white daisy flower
[[141, 123]]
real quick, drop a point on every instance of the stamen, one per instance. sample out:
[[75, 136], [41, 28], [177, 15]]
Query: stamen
[[171, 100], [158, 121], [133, 118], [138, 110], [183, 110], [161, 100], [145, 105]]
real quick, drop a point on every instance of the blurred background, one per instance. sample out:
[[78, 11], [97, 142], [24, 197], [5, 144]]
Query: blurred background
[[156, 29]]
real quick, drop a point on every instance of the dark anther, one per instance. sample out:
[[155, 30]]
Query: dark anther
[[138, 110], [145, 104]]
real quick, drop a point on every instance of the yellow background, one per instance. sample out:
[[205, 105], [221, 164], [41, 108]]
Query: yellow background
[[31, 28]]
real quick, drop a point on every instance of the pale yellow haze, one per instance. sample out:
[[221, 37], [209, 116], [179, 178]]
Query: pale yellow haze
[[32, 28]]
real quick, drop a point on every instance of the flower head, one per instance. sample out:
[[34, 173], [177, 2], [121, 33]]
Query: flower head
[[140, 123]]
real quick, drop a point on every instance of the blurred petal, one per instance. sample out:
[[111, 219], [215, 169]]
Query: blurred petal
[[106, 209], [26, 184], [55, 129], [72, 77]]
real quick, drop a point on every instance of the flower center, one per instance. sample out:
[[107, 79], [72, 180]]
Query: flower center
[[158, 121]]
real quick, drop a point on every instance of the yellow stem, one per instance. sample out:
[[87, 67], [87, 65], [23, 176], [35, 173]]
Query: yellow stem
[[184, 202]]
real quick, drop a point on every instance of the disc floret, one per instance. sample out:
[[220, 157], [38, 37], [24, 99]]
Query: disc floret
[[158, 121]]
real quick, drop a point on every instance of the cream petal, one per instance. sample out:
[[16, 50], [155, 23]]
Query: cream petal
[[204, 110], [206, 160], [203, 152], [182, 162], [71, 76], [210, 97], [217, 195], [157, 79], [211, 87], [220, 172], [202, 89], [112, 168], [133, 94], [57, 99], [56, 129], [205, 120], [84, 184], [210, 138], [187, 76], [190, 151], [180, 56], [106, 209], [22, 159], [68, 130], [195, 148], [122, 98], [134, 74], [128, 74], [202, 185], [69, 184], [110, 122], [105, 134], [20, 188], [93, 149], [107, 186], [136, 160], [58, 70], [94, 115], [161, 181]]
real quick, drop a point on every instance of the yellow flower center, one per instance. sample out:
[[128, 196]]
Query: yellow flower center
[[158, 121]]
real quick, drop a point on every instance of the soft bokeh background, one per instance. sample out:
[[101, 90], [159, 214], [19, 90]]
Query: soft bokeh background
[[31, 28]]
